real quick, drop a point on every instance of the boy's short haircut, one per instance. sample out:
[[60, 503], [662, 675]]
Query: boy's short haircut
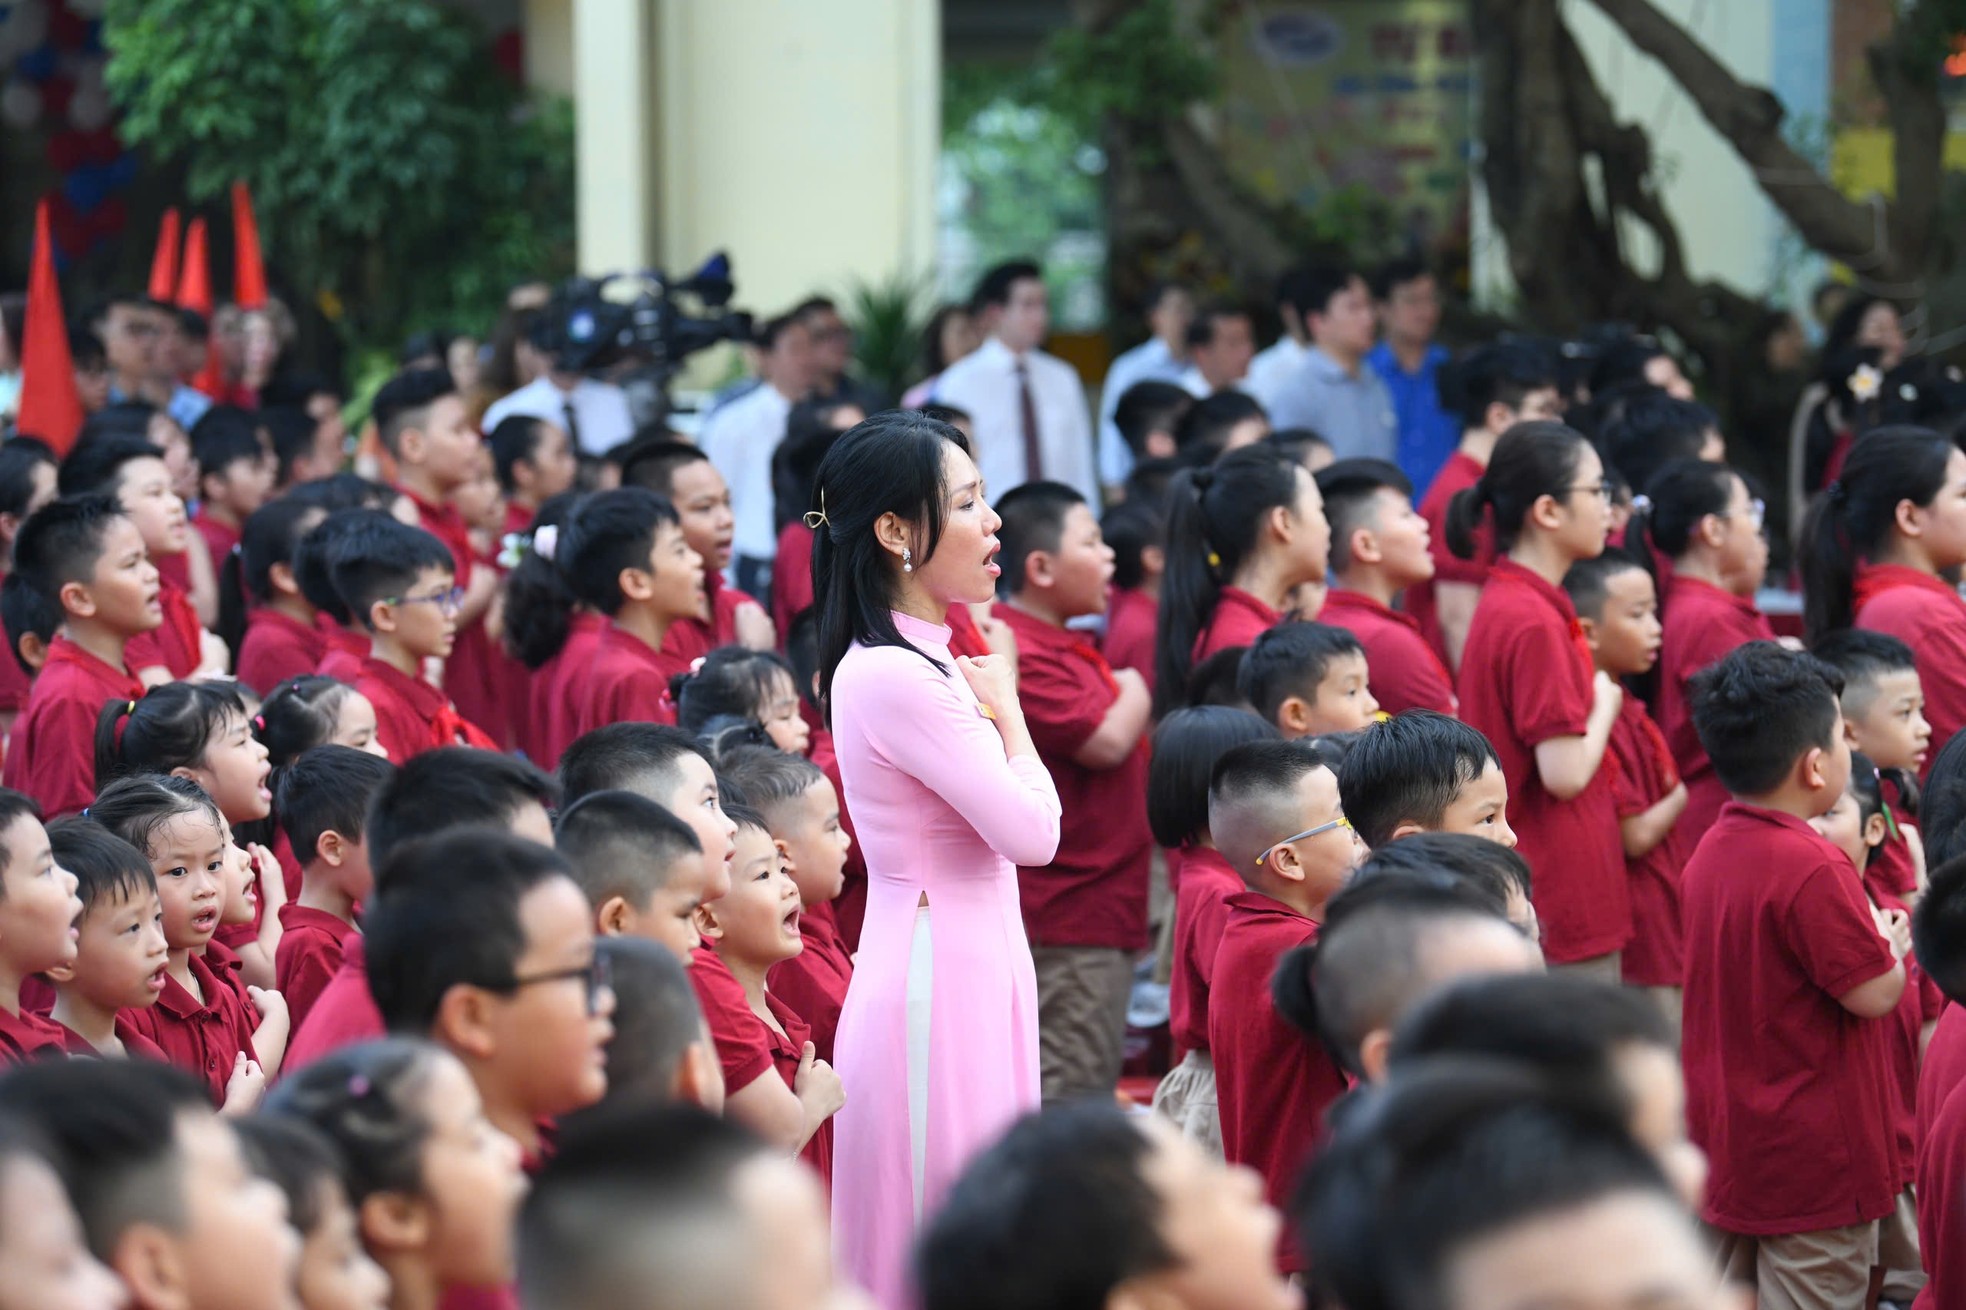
[[1501, 373], [112, 1127], [622, 844], [1217, 680], [314, 555], [62, 542], [1291, 659], [26, 611], [19, 458], [993, 289], [1351, 490], [653, 464], [1149, 407], [404, 403], [607, 532], [290, 432], [1131, 528], [1396, 273], [639, 757], [1252, 797], [1496, 871], [1201, 327], [1565, 1026], [327, 789], [516, 438], [222, 437], [1409, 769], [656, 1019], [382, 561], [95, 466], [1033, 515], [294, 1156], [1318, 284], [1588, 581], [636, 1210], [773, 781], [452, 921], [1759, 709], [452, 787], [1862, 657], [1204, 429], [1060, 1211], [1296, 444], [1186, 747], [13, 805], [1938, 929], [741, 814], [105, 866]]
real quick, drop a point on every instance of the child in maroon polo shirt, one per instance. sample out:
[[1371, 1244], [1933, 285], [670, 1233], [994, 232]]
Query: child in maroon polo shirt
[[1884, 715], [235, 477], [323, 805], [86, 556], [121, 957], [38, 909], [283, 637], [1424, 772], [1379, 548], [684, 476], [1791, 977], [1938, 930], [1308, 679], [398, 581], [1273, 810], [641, 867], [1085, 912]]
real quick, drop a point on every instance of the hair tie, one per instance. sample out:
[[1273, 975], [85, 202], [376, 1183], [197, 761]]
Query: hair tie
[[546, 540], [1641, 504], [259, 723], [816, 519], [131, 708]]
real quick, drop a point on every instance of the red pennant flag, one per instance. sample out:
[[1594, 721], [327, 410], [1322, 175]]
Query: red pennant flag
[[50, 406], [248, 264], [194, 284], [163, 264]]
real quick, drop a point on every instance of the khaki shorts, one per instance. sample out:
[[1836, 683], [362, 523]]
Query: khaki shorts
[[1604, 968], [1824, 1270], [1186, 1098], [1897, 1251], [1082, 996]]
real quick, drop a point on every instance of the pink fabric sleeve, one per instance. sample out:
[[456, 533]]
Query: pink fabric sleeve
[[933, 730]]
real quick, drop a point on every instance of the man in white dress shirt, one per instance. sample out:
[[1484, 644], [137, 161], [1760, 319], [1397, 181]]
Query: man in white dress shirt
[[1163, 357], [741, 438], [1275, 365], [1221, 344], [595, 414], [1028, 407]]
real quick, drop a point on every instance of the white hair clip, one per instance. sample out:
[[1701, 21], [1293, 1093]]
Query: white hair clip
[[546, 540], [1641, 504]]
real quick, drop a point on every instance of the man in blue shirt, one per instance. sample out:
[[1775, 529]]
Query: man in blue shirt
[[1408, 301]]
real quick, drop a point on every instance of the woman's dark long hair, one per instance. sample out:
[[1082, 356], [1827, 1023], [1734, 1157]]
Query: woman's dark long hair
[[890, 463], [1853, 519], [1532, 460], [539, 604]]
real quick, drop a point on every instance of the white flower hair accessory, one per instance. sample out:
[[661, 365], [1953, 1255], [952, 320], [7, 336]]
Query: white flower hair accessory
[[1866, 383], [546, 540]]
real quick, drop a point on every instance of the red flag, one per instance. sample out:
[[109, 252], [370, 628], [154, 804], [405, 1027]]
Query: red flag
[[163, 264], [248, 265], [194, 284], [50, 406]]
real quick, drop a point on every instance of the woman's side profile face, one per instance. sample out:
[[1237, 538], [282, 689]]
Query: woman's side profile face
[[963, 568]]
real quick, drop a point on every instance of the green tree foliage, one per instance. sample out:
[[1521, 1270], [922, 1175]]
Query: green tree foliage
[[396, 173]]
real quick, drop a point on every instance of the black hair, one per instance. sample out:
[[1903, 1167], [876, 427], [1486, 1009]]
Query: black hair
[[171, 727], [296, 387], [223, 436], [1131, 528], [404, 402], [327, 789], [1149, 482], [622, 844], [932, 361], [105, 866], [1759, 709], [1862, 657], [1942, 803], [26, 611], [618, 756], [1624, 360], [1058, 1213], [809, 433], [652, 464], [1866, 788], [801, 652], [1409, 769], [269, 536], [136, 807], [112, 1128], [607, 532], [1853, 521], [1938, 928], [296, 1157], [290, 431], [516, 437], [448, 917], [1255, 785], [1201, 328], [95, 465], [656, 1021], [1567, 1027], [62, 542], [1504, 373], [1296, 444], [995, 286], [1396, 273], [1653, 430], [1321, 282], [891, 463], [739, 812], [1532, 460], [732, 680], [1033, 515], [1204, 428], [1496, 872], [314, 555], [370, 1100], [301, 713], [381, 561], [1680, 495], [1215, 519], [19, 458], [1351, 489], [452, 787], [539, 602], [1291, 659], [772, 780], [1587, 581], [1216, 680], [1149, 407]]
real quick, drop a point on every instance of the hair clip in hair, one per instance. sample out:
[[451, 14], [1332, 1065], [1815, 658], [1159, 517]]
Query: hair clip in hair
[[546, 540], [696, 665], [816, 518], [132, 708], [512, 547], [1214, 560], [359, 1085], [1641, 504], [1865, 383], [259, 723]]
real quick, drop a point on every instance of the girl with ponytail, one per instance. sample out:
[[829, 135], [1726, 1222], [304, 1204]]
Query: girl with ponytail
[[1703, 518], [1241, 535], [1527, 680], [1878, 547], [547, 630]]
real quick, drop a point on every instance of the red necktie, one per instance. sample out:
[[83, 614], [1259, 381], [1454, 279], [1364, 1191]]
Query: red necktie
[[1033, 453]]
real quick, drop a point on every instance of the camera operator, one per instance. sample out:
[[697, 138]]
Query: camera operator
[[594, 414]]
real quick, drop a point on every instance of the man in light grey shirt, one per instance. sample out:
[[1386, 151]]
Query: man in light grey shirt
[[1332, 392]]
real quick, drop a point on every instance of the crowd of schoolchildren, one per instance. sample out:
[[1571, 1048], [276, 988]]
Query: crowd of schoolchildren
[[455, 905]]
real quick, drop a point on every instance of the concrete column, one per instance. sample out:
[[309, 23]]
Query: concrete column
[[613, 69]]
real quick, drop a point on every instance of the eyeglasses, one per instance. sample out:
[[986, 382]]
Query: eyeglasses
[[447, 601], [1757, 514], [595, 975], [1308, 832], [1602, 490]]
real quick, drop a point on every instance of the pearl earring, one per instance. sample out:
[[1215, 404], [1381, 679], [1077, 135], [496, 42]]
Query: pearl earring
[[907, 560]]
